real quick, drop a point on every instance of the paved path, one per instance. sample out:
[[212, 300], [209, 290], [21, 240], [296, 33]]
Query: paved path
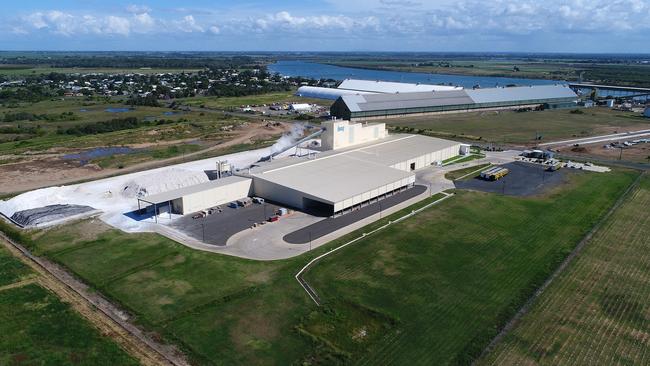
[[603, 138]]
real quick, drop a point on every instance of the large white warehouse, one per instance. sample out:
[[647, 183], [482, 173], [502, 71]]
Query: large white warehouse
[[361, 162], [366, 87], [337, 180]]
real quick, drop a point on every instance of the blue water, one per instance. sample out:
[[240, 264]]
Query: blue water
[[117, 110], [322, 71], [172, 113], [100, 152], [83, 110]]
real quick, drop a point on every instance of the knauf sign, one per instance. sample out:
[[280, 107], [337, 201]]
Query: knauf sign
[[340, 129]]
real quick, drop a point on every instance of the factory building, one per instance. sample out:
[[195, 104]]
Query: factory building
[[317, 92], [364, 87], [360, 163], [389, 87], [376, 106], [339, 180], [200, 196]]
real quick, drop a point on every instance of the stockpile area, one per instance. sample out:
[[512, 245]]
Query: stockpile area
[[49, 214]]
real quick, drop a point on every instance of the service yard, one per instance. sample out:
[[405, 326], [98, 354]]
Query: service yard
[[523, 179]]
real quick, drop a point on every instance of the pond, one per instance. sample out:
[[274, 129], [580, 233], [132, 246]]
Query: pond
[[117, 110], [85, 156]]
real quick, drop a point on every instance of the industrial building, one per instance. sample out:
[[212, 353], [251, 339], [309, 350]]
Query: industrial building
[[337, 180], [365, 87], [361, 163], [646, 112], [200, 196], [376, 106]]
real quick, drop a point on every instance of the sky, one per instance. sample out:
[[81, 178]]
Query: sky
[[577, 26]]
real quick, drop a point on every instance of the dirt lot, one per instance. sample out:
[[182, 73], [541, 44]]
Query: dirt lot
[[638, 153], [38, 171]]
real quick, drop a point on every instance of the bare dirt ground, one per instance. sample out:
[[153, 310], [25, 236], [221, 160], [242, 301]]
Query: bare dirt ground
[[105, 316], [637, 153], [38, 171]]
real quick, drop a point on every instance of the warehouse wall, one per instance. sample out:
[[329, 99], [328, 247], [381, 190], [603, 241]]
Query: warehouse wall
[[428, 159], [361, 198], [216, 196]]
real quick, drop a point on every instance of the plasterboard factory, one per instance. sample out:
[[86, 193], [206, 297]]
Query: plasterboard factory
[[357, 163]]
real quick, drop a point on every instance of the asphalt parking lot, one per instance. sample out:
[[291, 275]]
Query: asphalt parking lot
[[524, 179], [332, 224], [215, 229]]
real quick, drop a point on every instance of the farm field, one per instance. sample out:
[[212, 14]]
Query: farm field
[[522, 128], [36, 328], [597, 311], [388, 294]]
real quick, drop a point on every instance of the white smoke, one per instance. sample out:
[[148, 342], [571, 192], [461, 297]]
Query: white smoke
[[294, 135]]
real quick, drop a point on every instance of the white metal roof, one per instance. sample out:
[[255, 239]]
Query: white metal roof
[[325, 93], [390, 87], [334, 176], [201, 187]]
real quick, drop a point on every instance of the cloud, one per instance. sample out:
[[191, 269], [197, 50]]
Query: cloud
[[409, 20], [138, 9]]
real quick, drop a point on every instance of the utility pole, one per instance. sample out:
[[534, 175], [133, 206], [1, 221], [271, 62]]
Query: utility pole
[[310, 241], [620, 156], [203, 228]]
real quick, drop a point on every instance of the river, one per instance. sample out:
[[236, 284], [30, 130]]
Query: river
[[322, 71]]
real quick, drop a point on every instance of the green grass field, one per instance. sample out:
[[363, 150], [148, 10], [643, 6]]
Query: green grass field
[[508, 127], [11, 269], [432, 289], [36, 328], [450, 286], [456, 174], [597, 312]]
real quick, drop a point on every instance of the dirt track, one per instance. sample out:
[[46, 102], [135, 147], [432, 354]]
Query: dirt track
[[102, 314]]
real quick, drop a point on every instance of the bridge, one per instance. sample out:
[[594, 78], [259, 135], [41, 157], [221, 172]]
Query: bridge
[[603, 91]]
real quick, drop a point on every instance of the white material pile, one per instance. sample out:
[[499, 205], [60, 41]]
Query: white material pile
[[116, 196]]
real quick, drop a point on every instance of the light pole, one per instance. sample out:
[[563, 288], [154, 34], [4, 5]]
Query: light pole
[[310, 241], [203, 228]]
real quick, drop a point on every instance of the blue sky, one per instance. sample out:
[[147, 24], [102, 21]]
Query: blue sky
[[328, 25]]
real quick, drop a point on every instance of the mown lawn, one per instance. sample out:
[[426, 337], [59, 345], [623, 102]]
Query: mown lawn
[[430, 290], [597, 312]]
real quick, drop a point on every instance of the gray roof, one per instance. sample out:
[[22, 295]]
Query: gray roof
[[391, 87], [334, 176], [519, 93], [201, 187], [377, 102]]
